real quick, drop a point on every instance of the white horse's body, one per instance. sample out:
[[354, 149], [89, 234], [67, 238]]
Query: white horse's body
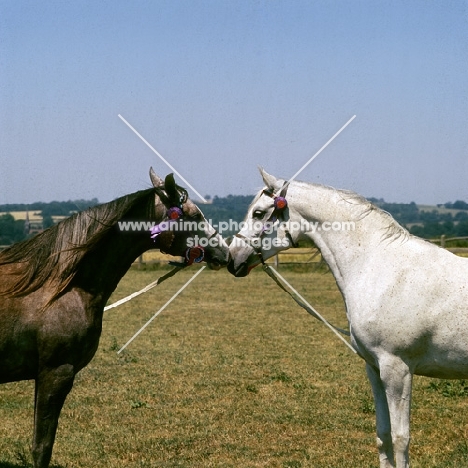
[[406, 299]]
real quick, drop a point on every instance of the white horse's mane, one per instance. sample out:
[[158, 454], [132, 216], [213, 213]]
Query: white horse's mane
[[392, 230]]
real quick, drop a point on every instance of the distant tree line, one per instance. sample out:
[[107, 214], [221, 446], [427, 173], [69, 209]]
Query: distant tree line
[[426, 224], [458, 205], [225, 208], [429, 224], [54, 208], [12, 230]]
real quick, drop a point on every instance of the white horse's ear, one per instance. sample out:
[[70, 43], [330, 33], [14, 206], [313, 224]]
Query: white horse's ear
[[155, 179], [270, 181]]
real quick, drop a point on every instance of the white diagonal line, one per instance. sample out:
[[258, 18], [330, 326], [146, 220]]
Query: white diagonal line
[[319, 151], [162, 159], [311, 309], [161, 309]]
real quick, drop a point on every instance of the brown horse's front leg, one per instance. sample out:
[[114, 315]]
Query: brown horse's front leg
[[52, 387]]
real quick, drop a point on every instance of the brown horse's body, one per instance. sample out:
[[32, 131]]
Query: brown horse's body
[[52, 299]]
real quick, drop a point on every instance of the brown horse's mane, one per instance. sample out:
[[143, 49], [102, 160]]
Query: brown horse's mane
[[55, 254]]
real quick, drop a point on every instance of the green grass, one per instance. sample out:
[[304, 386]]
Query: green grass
[[232, 374]]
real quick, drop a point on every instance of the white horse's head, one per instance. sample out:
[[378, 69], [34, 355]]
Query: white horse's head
[[265, 230]]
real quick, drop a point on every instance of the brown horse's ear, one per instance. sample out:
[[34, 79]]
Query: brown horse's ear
[[171, 189], [155, 179]]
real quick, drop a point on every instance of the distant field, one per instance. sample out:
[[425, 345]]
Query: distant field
[[232, 374], [440, 209], [34, 216]]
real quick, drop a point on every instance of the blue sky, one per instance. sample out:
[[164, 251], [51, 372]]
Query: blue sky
[[219, 87]]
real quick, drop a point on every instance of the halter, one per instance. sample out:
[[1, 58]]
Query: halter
[[173, 214], [278, 214]]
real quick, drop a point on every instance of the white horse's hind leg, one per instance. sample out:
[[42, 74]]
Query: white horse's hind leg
[[397, 381], [384, 436]]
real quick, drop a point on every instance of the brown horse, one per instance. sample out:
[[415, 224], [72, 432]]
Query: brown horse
[[54, 286]]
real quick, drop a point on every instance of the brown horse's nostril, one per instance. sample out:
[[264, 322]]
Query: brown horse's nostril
[[214, 265], [242, 270]]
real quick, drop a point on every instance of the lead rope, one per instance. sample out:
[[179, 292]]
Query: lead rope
[[146, 288], [272, 273], [192, 255]]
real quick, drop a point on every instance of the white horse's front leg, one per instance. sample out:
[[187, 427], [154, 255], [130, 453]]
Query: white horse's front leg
[[384, 436], [397, 381]]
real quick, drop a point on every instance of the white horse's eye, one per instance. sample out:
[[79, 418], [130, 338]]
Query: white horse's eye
[[258, 214]]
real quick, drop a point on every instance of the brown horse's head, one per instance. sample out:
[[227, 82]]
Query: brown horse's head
[[184, 229]]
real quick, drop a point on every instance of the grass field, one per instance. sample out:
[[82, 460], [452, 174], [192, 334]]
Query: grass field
[[232, 374]]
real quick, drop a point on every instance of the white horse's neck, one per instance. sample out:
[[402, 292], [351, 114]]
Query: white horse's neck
[[345, 227]]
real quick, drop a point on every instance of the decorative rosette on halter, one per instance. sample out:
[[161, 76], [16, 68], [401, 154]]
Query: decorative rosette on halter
[[175, 214]]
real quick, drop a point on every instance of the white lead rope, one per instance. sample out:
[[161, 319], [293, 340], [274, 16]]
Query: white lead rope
[[145, 289], [304, 304]]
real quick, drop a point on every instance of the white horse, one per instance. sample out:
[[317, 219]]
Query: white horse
[[406, 299]]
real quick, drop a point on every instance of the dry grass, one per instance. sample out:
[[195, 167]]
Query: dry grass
[[232, 374]]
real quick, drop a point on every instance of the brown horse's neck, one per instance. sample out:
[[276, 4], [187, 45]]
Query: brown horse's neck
[[87, 251], [102, 268]]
